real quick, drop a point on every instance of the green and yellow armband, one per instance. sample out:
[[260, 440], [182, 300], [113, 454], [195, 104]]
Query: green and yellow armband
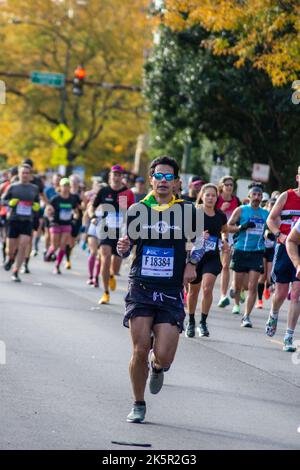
[[13, 202], [35, 207]]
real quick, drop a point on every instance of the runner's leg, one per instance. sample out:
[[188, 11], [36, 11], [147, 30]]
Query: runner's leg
[[252, 292], [166, 338], [140, 330]]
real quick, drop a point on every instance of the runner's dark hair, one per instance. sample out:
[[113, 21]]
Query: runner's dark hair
[[256, 184], [164, 160]]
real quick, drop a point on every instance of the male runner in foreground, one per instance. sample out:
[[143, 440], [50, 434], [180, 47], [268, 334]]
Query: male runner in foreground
[[159, 226]]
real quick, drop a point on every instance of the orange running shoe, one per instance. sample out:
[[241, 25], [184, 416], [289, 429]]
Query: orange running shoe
[[259, 304], [267, 294]]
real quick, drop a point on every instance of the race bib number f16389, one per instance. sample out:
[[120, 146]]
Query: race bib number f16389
[[157, 262]]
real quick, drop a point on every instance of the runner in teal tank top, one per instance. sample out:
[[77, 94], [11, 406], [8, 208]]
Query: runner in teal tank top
[[252, 239], [248, 222]]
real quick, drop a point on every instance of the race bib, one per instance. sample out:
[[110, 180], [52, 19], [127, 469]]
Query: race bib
[[114, 220], [65, 215], [211, 243], [157, 262], [258, 230], [24, 208]]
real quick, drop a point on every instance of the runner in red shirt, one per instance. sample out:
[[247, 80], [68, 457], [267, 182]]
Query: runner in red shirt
[[282, 218]]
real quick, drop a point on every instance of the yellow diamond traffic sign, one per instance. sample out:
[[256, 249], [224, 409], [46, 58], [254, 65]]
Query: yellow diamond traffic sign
[[61, 134], [59, 156]]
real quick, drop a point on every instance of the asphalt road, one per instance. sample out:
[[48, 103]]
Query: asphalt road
[[65, 383]]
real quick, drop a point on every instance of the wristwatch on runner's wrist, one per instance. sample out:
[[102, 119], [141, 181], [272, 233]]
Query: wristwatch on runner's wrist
[[193, 261]]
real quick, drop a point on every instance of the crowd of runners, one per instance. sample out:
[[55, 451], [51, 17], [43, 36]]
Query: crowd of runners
[[180, 242]]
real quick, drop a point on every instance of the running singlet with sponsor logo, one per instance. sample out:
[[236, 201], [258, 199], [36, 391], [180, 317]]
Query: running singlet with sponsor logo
[[290, 212], [116, 199], [161, 248], [25, 195], [252, 239], [114, 205], [63, 209]]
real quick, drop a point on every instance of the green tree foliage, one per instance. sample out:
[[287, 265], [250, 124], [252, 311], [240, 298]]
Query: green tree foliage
[[193, 93]]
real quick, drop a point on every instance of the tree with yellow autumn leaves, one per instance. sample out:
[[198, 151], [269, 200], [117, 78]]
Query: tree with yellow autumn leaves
[[265, 32], [107, 38]]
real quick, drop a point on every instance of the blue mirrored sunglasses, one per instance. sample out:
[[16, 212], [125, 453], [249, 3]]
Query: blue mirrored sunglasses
[[160, 176]]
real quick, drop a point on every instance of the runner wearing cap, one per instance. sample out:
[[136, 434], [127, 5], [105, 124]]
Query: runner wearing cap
[[248, 222], [23, 201], [60, 213], [113, 200], [195, 184], [227, 202], [94, 219], [281, 220]]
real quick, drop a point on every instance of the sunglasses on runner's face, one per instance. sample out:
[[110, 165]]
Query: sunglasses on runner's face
[[160, 176], [228, 184]]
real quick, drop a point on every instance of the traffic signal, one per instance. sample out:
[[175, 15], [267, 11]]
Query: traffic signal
[[78, 81]]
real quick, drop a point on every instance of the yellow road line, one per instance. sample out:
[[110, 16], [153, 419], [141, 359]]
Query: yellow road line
[[276, 342]]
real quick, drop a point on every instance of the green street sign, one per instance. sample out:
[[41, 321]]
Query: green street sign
[[56, 80]]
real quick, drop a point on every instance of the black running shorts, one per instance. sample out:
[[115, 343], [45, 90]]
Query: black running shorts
[[164, 306], [209, 264], [246, 261], [15, 228], [112, 243]]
